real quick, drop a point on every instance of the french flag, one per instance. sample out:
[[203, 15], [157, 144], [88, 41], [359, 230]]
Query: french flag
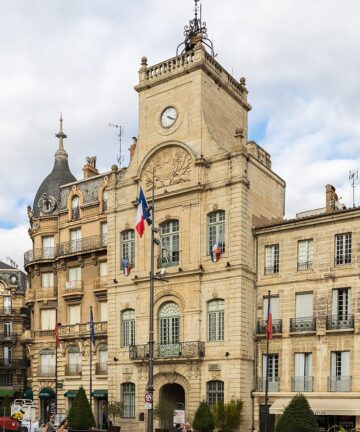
[[142, 214], [126, 266]]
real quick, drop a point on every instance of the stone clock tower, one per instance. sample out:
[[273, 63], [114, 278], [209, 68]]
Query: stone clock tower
[[211, 186]]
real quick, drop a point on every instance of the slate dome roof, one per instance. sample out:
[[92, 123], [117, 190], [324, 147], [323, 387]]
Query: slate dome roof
[[47, 198]]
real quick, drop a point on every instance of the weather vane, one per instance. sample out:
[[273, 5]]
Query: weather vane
[[196, 27], [119, 157]]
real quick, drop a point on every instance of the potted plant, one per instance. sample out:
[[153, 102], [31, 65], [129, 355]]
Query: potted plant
[[164, 411], [114, 410], [228, 415], [204, 419], [80, 415]]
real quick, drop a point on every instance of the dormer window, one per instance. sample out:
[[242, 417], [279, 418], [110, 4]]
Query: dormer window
[[75, 208]]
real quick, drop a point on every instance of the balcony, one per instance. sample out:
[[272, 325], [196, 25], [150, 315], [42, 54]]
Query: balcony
[[46, 371], [101, 368], [302, 384], [273, 269], [9, 337], [86, 244], [41, 254], [24, 311], [30, 296], [274, 384], [73, 369], [171, 258], [339, 383], [303, 266], [46, 293], [181, 350], [298, 325], [73, 289], [100, 286], [74, 331], [13, 363], [276, 327], [340, 322], [75, 213], [43, 334]]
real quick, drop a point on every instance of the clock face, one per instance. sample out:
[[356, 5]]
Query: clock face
[[168, 117]]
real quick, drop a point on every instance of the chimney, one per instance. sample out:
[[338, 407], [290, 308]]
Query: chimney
[[331, 198], [132, 147], [90, 169]]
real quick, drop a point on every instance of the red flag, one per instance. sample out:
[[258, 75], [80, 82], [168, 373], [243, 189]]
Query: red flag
[[57, 338], [269, 327]]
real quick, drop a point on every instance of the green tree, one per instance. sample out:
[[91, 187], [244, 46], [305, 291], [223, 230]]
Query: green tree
[[297, 416], [164, 411], [80, 414], [114, 410], [228, 415], [204, 419]]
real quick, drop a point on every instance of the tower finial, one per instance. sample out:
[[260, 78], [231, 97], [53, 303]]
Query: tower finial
[[60, 135], [196, 30]]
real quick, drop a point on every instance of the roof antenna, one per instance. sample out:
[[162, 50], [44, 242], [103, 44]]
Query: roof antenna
[[119, 157], [353, 176]]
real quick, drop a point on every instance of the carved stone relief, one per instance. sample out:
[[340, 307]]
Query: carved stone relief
[[168, 167]]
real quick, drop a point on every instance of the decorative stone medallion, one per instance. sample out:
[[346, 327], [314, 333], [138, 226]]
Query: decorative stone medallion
[[47, 203], [170, 166]]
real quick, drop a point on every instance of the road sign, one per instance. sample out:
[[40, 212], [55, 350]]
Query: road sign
[[148, 405], [148, 397]]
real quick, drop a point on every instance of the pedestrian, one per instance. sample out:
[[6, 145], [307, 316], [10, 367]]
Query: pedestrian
[[187, 427], [64, 425], [177, 427], [49, 427]]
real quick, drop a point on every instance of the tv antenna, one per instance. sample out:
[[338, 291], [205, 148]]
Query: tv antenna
[[119, 157], [353, 176]]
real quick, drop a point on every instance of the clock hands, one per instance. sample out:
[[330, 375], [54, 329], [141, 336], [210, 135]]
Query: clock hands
[[171, 118]]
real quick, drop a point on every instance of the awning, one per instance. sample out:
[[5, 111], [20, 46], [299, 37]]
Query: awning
[[350, 407], [47, 393], [70, 393], [28, 394], [99, 394], [6, 392]]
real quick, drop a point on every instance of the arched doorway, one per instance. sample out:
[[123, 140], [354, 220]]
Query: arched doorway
[[173, 393]]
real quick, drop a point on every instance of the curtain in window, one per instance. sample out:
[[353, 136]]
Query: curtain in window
[[274, 307], [304, 305], [47, 319], [74, 314]]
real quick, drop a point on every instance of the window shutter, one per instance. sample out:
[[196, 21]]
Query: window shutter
[[345, 363], [304, 305], [299, 364], [333, 364], [264, 365], [335, 299], [308, 364]]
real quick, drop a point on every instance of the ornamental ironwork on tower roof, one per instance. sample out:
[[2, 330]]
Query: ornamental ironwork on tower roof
[[195, 31]]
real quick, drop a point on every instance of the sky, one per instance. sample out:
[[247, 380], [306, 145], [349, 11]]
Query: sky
[[301, 60]]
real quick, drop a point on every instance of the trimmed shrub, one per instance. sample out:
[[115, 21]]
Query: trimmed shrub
[[297, 417], [80, 415], [204, 419], [228, 415]]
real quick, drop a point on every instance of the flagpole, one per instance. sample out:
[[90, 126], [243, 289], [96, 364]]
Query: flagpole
[[56, 366], [267, 365], [92, 335], [150, 386]]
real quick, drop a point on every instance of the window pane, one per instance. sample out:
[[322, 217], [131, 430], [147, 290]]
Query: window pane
[[128, 399]]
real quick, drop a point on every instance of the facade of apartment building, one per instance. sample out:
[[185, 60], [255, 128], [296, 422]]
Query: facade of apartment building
[[67, 270], [14, 319], [310, 265], [211, 186]]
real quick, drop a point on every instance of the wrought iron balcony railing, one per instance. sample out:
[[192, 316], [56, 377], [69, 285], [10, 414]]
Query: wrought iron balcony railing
[[273, 384], [66, 248], [302, 384], [306, 265], [306, 324], [339, 383], [40, 254], [273, 269], [15, 311], [171, 259], [276, 326], [46, 371], [184, 350], [340, 322], [73, 369], [75, 213], [101, 368], [13, 363]]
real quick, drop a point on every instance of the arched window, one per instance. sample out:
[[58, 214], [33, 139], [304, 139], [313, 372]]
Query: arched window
[[128, 327], [104, 200], [169, 329], [128, 247], [214, 392], [216, 230], [216, 320], [128, 399], [47, 362], [75, 208], [74, 360], [101, 367], [169, 236]]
